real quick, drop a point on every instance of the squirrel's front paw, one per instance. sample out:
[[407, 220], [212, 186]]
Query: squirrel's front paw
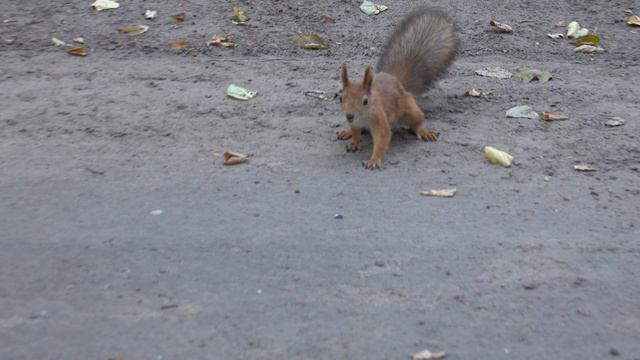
[[372, 164], [344, 134], [353, 146]]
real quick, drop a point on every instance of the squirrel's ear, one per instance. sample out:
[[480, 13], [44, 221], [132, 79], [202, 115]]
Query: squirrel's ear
[[368, 79], [344, 76]]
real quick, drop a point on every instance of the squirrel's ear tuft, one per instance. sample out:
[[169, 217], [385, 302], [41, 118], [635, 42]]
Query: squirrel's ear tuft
[[344, 76], [368, 79]]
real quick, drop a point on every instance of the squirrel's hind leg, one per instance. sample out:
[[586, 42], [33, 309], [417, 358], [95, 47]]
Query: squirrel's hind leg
[[413, 117]]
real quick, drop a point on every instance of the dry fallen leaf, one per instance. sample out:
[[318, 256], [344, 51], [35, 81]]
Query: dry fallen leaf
[[584, 167], [500, 27], [224, 41], [311, 41], [522, 111], [234, 158], [590, 39], [239, 17], [322, 95], [440, 193], [133, 30], [575, 30], [79, 40], [179, 45], [555, 35], [628, 12], [58, 42], [428, 355], [370, 8], [496, 156], [614, 122], [100, 5], [78, 51], [179, 17], [8, 40], [588, 49], [528, 75], [633, 20], [547, 116], [240, 93]]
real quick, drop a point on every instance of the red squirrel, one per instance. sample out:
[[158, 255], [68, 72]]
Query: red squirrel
[[420, 49]]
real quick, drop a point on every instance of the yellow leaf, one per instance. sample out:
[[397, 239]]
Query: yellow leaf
[[311, 41], [78, 51], [590, 39], [239, 17], [496, 156]]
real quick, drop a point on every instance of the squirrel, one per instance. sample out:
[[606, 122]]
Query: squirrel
[[419, 50]]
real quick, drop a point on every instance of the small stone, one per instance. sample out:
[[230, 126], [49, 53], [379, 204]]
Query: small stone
[[338, 216], [614, 352], [614, 121]]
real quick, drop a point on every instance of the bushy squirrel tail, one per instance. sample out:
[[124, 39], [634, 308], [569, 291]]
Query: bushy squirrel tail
[[420, 49]]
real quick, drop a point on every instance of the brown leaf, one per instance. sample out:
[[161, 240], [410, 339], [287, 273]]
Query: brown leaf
[[78, 51], [133, 30], [546, 116], [179, 45], [224, 41], [500, 27], [179, 17], [234, 158]]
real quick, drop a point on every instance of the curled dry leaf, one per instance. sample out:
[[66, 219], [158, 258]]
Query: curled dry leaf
[[179, 17], [8, 40], [555, 35], [79, 40], [628, 12], [547, 116], [590, 39], [311, 41], [584, 167], [179, 45], [588, 49], [428, 355], [500, 27], [240, 93], [78, 51], [234, 158], [369, 8], [150, 14], [440, 193], [496, 156], [633, 20], [133, 30], [100, 5], [239, 17], [58, 42], [224, 41], [495, 72]]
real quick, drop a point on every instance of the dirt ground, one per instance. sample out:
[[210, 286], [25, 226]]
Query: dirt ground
[[537, 261]]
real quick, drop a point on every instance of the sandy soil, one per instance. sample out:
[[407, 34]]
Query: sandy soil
[[248, 262]]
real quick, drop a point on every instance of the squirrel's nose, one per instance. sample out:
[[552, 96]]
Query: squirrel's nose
[[349, 117]]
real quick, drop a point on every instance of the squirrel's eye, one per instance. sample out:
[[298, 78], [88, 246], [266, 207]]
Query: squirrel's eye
[[365, 101]]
